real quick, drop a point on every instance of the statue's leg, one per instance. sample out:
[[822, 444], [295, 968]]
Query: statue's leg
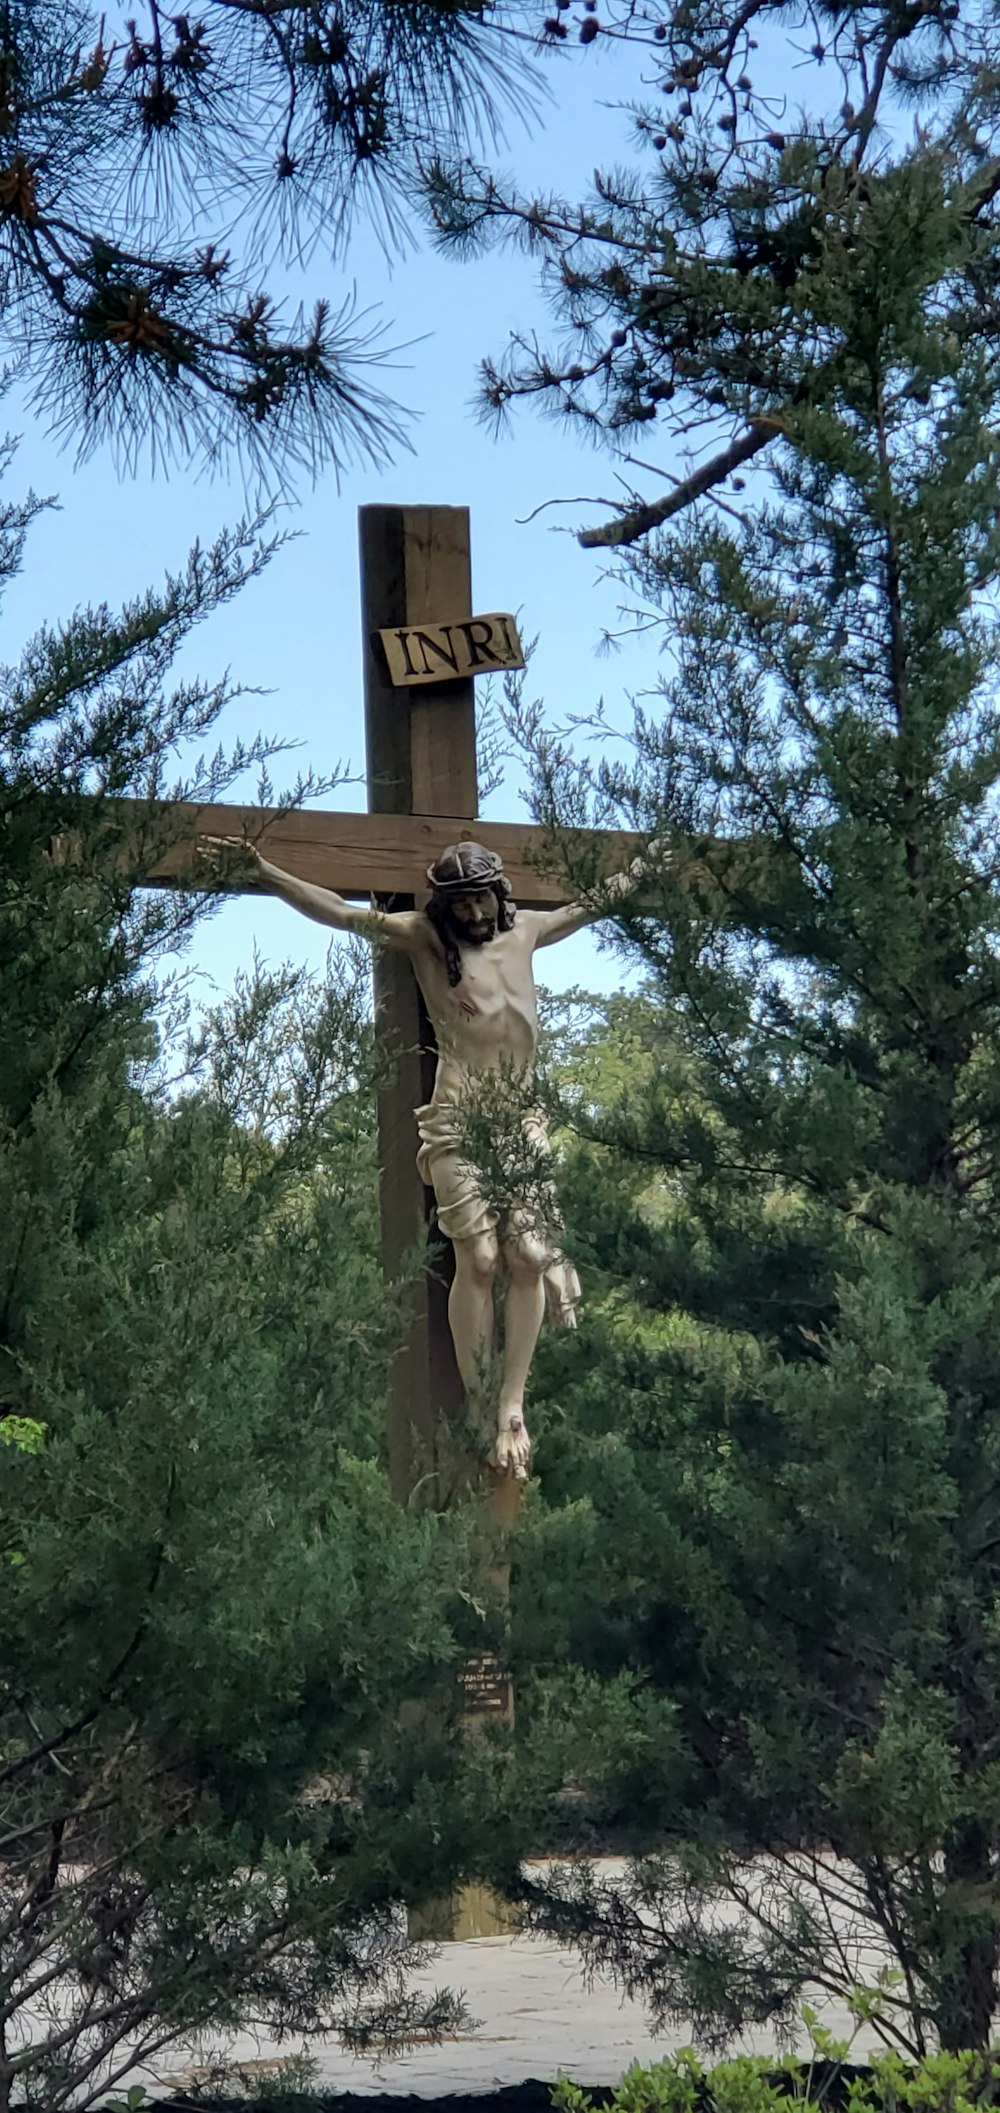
[[470, 1307], [527, 1258], [467, 1221]]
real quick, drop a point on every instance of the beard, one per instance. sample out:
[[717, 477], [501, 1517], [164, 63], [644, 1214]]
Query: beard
[[457, 938]]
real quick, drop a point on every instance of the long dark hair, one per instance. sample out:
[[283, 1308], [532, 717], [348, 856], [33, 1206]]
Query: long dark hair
[[449, 931]]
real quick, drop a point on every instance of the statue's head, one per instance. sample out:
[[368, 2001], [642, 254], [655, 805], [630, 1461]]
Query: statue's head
[[470, 901]]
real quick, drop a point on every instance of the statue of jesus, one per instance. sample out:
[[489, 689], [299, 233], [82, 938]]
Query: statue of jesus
[[472, 952]]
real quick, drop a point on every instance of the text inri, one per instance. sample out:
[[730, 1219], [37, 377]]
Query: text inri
[[468, 645]]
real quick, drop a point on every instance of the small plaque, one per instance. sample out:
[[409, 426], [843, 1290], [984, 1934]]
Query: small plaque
[[469, 645], [487, 1688]]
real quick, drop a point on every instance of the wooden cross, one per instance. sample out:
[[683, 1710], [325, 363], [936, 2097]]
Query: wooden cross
[[422, 795]]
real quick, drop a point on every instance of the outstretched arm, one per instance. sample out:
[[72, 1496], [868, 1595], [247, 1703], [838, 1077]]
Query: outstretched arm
[[395, 928], [551, 925]]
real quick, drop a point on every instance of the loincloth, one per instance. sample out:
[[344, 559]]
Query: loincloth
[[464, 1212]]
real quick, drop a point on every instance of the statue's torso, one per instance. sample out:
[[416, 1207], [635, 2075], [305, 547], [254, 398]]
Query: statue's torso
[[489, 1020]]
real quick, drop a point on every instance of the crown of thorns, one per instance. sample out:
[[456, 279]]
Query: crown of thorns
[[465, 869]]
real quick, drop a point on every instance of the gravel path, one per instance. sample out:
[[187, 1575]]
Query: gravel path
[[537, 2018]]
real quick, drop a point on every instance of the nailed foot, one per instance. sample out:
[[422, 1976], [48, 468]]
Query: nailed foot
[[512, 1450]]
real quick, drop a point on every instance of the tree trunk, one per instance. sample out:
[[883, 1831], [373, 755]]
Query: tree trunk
[[969, 1983]]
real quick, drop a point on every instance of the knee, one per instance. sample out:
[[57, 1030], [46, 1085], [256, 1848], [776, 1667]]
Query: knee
[[478, 1258], [527, 1255]]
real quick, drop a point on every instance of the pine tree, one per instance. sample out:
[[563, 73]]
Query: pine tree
[[152, 168], [788, 1534], [229, 1706]]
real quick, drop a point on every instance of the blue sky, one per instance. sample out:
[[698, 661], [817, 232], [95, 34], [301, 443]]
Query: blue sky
[[295, 634]]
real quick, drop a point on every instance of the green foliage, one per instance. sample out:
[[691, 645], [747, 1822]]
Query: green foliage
[[229, 1708], [940, 2083], [769, 1463], [286, 2088], [733, 280], [23, 1432]]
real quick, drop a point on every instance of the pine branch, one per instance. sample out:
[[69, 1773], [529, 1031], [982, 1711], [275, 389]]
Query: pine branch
[[630, 526]]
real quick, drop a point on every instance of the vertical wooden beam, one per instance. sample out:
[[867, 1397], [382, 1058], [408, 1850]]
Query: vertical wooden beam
[[421, 753]]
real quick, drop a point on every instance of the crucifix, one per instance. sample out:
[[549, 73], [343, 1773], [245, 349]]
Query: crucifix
[[456, 959]]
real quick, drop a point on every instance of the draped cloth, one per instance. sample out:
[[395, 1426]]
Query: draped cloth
[[465, 1213]]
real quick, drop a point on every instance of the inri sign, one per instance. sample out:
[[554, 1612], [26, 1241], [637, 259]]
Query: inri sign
[[469, 645]]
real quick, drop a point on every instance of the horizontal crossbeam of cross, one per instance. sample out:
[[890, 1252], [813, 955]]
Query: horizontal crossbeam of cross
[[367, 854]]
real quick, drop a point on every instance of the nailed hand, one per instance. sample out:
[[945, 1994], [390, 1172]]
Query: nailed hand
[[218, 857]]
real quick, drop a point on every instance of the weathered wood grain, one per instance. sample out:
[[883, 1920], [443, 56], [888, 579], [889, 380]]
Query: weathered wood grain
[[373, 854]]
